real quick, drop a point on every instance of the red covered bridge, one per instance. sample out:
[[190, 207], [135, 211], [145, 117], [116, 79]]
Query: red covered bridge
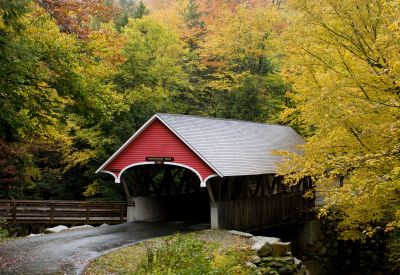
[[166, 165]]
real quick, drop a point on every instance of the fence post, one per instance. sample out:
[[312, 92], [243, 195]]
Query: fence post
[[51, 213], [87, 213], [14, 212]]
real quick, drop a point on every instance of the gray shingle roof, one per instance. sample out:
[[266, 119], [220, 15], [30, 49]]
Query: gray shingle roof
[[234, 147]]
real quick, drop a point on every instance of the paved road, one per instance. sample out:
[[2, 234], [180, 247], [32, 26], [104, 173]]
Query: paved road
[[69, 252]]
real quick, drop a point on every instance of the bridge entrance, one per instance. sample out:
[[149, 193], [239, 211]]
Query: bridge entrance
[[165, 192]]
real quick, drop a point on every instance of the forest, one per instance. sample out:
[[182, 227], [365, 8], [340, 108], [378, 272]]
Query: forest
[[78, 77]]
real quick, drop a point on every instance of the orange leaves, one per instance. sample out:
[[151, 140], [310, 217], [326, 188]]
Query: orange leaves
[[76, 16], [106, 44]]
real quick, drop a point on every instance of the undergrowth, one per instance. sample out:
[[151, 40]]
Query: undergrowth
[[177, 254]]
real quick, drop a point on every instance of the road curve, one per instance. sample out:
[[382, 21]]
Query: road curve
[[69, 252]]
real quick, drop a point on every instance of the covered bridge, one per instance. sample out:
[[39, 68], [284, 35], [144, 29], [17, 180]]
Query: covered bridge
[[221, 170]]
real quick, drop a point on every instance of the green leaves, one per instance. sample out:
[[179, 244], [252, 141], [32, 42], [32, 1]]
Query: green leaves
[[153, 56], [51, 92]]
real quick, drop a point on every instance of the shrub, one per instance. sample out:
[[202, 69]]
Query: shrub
[[4, 233], [185, 254], [394, 251]]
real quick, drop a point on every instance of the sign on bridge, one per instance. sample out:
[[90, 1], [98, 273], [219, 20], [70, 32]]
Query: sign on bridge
[[159, 160]]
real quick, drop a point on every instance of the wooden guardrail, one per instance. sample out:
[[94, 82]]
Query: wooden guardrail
[[62, 212]]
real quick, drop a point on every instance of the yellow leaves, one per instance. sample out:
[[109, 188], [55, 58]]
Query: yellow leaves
[[344, 70], [106, 46], [239, 41]]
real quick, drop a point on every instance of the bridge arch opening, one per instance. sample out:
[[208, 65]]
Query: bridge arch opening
[[165, 192]]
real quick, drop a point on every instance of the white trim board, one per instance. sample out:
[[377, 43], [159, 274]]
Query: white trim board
[[202, 182]]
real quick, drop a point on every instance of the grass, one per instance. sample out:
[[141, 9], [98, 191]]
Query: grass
[[205, 252], [5, 234]]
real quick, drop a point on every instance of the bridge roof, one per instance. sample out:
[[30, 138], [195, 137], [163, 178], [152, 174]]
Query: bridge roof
[[234, 147], [228, 147]]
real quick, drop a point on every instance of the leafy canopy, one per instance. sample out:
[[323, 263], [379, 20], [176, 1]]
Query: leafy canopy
[[344, 66]]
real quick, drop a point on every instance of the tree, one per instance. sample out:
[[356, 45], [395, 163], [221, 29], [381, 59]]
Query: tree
[[241, 55], [153, 57], [343, 63], [53, 97], [76, 17], [212, 32], [140, 11], [148, 79], [129, 9]]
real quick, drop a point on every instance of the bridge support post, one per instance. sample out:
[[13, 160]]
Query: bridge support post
[[214, 217], [130, 210]]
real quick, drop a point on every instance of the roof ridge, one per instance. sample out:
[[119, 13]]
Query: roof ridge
[[225, 119]]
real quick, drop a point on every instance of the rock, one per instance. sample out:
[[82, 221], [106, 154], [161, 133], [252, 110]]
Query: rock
[[240, 233], [55, 229], [260, 241], [297, 262], [34, 235], [288, 259], [301, 271], [255, 259], [265, 250], [81, 227], [250, 265], [280, 249], [267, 270], [104, 224], [263, 245], [275, 264], [285, 270]]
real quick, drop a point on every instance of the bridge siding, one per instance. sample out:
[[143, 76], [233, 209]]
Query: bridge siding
[[159, 141], [259, 212]]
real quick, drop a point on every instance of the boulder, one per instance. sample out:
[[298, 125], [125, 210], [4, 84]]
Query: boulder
[[265, 250], [250, 265], [34, 235], [55, 229], [279, 249], [275, 264], [285, 270], [255, 259], [81, 227], [297, 262], [263, 245], [267, 270], [240, 233], [288, 259]]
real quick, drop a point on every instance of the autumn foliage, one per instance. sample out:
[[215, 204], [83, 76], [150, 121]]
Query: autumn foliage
[[78, 77], [76, 17]]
